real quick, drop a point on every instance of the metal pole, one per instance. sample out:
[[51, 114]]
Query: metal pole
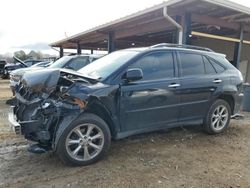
[[186, 24], [79, 50], [237, 48], [61, 52], [111, 42]]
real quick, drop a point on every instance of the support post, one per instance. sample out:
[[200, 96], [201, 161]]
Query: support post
[[186, 24], [178, 20], [79, 50], [238, 47], [111, 42], [91, 51], [61, 52]]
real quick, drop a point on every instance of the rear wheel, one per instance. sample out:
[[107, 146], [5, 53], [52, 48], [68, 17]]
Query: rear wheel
[[85, 141], [218, 117]]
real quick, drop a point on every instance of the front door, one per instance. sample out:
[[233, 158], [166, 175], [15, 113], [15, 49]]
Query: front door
[[151, 102]]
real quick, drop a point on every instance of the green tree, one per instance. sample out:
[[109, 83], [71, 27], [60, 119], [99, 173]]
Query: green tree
[[35, 55], [20, 55]]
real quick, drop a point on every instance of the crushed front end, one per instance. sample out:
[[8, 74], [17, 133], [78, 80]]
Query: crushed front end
[[43, 103]]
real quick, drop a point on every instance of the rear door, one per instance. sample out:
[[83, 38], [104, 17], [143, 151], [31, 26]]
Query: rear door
[[151, 102], [198, 80]]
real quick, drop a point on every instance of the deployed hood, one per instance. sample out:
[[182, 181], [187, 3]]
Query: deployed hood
[[20, 61]]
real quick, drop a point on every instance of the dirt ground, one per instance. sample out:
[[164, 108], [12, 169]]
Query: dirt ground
[[181, 157]]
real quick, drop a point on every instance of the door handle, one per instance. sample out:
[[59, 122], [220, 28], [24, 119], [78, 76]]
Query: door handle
[[174, 85], [217, 81]]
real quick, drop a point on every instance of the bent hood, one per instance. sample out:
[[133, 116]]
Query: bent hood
[[20, 72], [46, 80], [41, 80]]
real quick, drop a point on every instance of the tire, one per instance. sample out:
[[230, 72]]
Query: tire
[[218, 117], [87, 146], [5, 74]]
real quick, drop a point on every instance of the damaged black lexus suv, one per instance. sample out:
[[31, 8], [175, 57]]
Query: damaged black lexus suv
[[132, 91]]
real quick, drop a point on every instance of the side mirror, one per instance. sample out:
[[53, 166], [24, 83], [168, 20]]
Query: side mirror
[[133, 74]]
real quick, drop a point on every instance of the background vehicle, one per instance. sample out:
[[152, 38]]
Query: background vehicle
[[74, 62], [43, 64], [18, 64], [124, 93], [2, 64]]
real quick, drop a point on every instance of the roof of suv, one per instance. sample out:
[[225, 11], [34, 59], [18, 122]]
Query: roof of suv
[[178, 47]]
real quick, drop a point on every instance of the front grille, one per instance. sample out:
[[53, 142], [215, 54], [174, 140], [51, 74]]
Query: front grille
[[23, 91]]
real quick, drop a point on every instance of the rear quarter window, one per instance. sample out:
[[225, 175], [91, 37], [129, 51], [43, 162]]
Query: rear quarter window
[[209, 68], [218, 67]]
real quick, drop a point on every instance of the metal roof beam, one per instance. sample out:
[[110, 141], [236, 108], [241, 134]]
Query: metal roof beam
[[144, 29], [208, 20]]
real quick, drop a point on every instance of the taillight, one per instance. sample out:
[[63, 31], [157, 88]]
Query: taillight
[[240, 75]]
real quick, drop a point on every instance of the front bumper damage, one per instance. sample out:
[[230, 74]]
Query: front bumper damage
[[14, 125], [41, 110]]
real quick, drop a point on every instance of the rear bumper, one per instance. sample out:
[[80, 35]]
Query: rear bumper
[[238, 103]]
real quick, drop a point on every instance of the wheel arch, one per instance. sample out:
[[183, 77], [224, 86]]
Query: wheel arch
[[229, 99], [96, 107]]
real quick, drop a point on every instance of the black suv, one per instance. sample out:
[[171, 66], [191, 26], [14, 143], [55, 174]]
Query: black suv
[[124, 93]]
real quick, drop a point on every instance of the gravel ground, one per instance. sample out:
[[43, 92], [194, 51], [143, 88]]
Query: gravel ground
[[181, 157]]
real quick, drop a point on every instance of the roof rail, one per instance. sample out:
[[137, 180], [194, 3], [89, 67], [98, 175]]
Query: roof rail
[[181, 46]]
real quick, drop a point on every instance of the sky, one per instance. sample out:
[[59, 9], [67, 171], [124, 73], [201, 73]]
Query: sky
[[32, 24]]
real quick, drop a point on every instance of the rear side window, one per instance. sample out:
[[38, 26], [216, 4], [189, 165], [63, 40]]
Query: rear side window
[[208, 66], [191, 64], [156, 65], [216, 65]]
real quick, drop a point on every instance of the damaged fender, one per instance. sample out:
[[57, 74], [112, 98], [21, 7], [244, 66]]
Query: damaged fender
[[62, 125]]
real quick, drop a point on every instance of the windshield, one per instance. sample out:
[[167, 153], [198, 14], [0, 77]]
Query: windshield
[[60, 62], [105, 66]]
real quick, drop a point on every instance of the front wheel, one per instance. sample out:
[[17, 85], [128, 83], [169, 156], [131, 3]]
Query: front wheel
[[85, 141], [218, 117]]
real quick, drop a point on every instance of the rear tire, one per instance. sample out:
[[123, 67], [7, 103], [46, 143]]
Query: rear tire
[[84, 141], [218, 117]]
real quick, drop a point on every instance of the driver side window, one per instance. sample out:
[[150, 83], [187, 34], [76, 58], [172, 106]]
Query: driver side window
[[155, 66]]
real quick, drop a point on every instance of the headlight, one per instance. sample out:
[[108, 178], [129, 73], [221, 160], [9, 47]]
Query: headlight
[[63, 89], [15, 78]]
